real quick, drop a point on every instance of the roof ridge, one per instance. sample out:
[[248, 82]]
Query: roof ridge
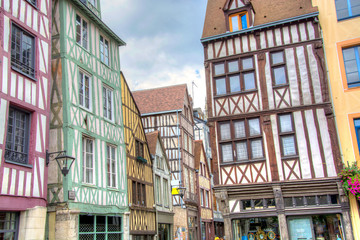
[[170, 86]]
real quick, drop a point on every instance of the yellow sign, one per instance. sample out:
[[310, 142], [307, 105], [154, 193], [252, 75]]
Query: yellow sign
[[175, 191]]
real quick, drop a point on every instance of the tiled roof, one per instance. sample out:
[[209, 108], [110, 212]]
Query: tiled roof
[[151, 138], [160, 99], [265, 12]]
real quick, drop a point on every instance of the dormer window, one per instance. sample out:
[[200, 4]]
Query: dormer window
[[239, 21]]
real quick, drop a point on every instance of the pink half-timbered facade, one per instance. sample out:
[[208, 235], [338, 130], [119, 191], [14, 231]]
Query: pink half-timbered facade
[[24, 113], [275, 150]]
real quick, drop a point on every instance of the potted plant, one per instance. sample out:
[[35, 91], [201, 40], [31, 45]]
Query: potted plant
[[351, 179]]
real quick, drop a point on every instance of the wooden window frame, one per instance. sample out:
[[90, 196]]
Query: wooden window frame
[[285, 134], [139, 148], [241, 72], [340, 46], [26, 67], [202, 198], [166, 192], [108, 109], [239, 15], [234, 140], [83, 42], [82, 88], [158, 190], [110, 167], [354, 137], [104, 50], [278, 65], [11, 155], [13, 223], [84, 159]]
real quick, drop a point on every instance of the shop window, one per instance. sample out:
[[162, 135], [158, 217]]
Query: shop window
[[351, 56], [256, 228], [22, 51], [235, 76], [347, 9], [81, 32], [100, 227], [17, 136], [9, 225], [278, 68], [287, 135], [241, 140], [238, 21], [315, 227]]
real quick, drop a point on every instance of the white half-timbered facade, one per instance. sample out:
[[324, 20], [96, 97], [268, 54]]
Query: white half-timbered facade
[[24, 110], [271, 122]]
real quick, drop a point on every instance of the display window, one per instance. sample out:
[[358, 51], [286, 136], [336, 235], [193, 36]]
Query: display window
[[256, 228]]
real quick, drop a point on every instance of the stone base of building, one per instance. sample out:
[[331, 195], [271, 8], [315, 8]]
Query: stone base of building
[[32, 223]]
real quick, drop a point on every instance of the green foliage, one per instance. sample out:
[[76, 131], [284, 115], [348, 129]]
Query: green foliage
[[351, 179]]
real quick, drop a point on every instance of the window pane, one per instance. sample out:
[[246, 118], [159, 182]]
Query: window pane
[[285, 123], [241, 151], [288, 145], [310, 200], [299, 201], [277, 58], [225, 131], [235, 23], [235, 83], [249, 81], [78, 29], [220, 86], [279, 75], [239, 127], [247, 63], [355, 7], [233, 66], [256, 149], [254, 126], [244, 22], [227, 154], [219, 68]]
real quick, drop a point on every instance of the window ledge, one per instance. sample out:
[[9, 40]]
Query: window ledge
[[90, 185], [281, 85], [114, 189], [87, 50], [235, 93], [109, 121], [19, 164], [85, 109], [24, 74], [289, 157], [242, 162], [347, 18], [106, 65]]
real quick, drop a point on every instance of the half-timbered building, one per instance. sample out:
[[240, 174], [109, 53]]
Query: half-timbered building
[[162, 187], [275, 149], [204, 191], [24, 110], [139, 170], [86, 122], [169, 110]]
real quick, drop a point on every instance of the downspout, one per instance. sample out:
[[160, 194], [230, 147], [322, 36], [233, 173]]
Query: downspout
[[179, 159]]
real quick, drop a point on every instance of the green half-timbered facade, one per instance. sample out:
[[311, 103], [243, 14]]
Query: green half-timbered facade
[[139, 170], [86, 122]]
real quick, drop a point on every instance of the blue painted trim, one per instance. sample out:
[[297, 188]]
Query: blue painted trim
[[260, 27], [349, 7], [357, 128], [357, 58]]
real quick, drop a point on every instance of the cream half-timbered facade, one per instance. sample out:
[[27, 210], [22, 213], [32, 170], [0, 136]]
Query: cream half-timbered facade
[[24, 110], [139, 169], [162, 187], [169, 111], [271, 121], [86, 122]]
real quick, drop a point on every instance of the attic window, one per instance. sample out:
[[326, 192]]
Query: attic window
[[239, 21]]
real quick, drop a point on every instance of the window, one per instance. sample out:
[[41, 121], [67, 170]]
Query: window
[[84, 90], [92, 2], [347, 8], [9, 225], [138, 193], [33, 2], [351, 57], [22, 51], [160, 162], [202, 197], [104, 50], [235, 76], [287, 135], [206, 198], [88, 163], [166, 192], [139, 148], [240, 140], [100, 227], [17, 138], [357, 131], [108, 103], [81, 32], [278, 68], [158, 189], [238, 21], [111, 165]]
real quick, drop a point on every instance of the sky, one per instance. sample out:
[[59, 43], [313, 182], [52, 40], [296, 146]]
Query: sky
[[162, 42]]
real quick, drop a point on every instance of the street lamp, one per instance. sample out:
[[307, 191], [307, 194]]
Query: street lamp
[[64, 161]]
